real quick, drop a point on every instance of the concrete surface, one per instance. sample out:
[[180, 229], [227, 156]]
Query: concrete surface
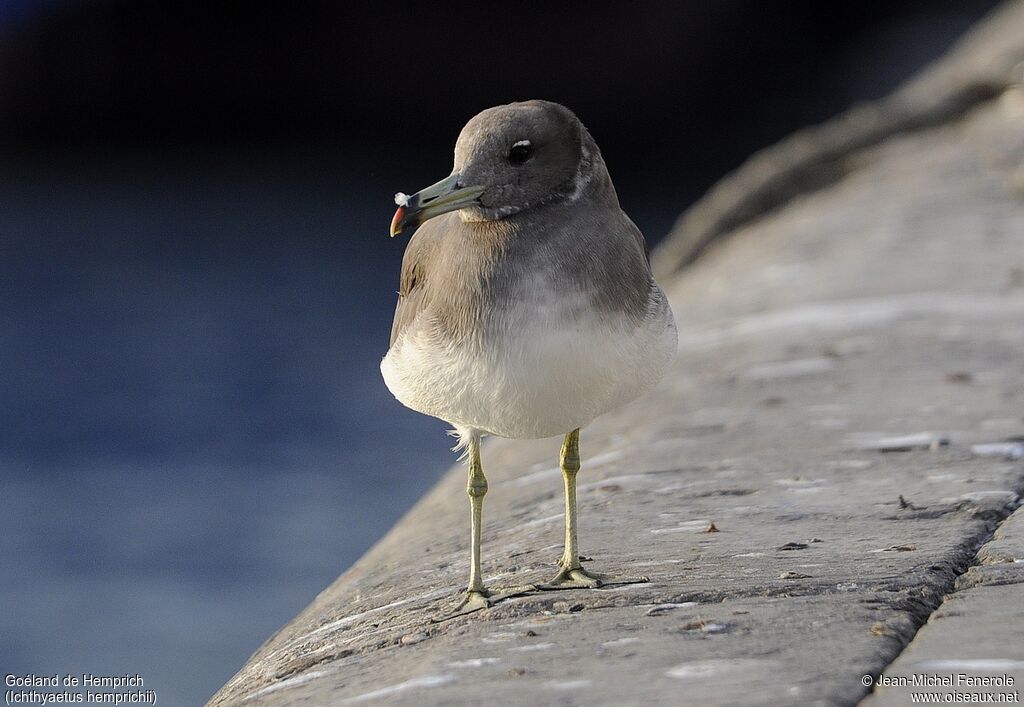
[[846, 363]]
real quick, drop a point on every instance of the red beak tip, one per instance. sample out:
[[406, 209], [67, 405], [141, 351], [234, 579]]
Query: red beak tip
[[399, 215]]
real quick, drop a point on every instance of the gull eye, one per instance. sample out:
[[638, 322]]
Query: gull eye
[[520, 152]]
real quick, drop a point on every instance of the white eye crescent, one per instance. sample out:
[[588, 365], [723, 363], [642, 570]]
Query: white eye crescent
[[520, 152]]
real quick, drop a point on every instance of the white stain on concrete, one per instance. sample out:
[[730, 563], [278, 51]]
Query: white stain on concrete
[[659, 609], [897, 443], [1007, 496], [703, 669], [414, 684], [474, 662], [655, 563], [626, 588], [568, 684], [285, 684], [689, 526], [533, 647], [1004, 450], [500, 637]]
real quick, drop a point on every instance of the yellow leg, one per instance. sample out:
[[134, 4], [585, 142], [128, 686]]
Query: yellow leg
[[477, 595], [476, 489], [571, 574], [569, 460]]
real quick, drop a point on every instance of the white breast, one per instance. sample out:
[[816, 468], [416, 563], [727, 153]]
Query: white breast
[[546, 374]]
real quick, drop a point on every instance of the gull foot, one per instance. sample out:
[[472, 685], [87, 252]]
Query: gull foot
[[579, 578], [475, 600]]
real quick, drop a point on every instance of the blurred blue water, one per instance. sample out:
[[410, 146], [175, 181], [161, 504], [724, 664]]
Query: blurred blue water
[[194, 437]]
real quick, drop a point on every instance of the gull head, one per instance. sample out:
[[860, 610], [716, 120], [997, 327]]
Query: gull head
[[508, 159]]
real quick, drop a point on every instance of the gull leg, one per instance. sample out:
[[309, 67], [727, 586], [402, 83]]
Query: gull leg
[[571, 574], [477, 595]]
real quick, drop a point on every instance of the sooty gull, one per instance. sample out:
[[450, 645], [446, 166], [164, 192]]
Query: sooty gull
[[527, 306]]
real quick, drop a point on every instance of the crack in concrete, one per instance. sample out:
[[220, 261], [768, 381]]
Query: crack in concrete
[[922, 610]]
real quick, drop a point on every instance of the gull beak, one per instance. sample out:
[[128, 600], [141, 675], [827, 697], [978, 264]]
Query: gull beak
[[447, 195]]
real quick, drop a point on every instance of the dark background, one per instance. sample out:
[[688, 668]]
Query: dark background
[[196, 284]]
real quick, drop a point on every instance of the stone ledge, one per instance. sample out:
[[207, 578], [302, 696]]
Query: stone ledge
[[887, 305], [982, 65]]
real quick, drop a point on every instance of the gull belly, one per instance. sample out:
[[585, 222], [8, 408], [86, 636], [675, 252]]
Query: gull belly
[[543, 372]]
